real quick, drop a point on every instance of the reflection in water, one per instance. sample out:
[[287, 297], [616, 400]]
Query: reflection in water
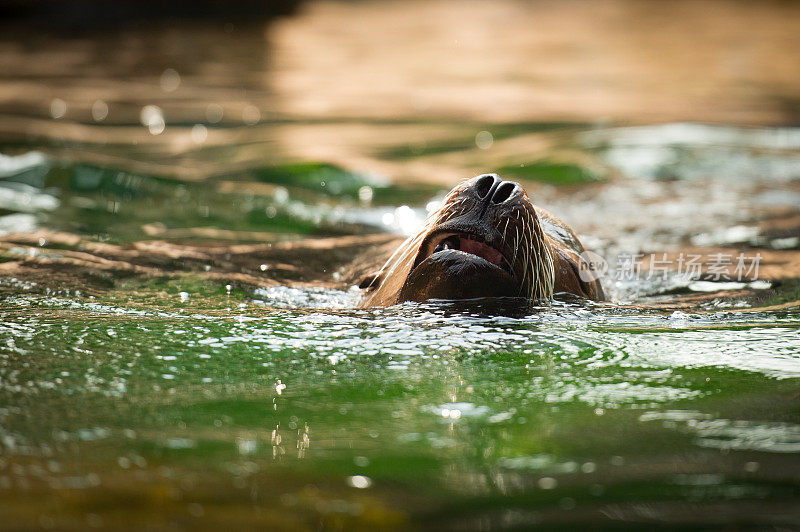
[[732, 435]]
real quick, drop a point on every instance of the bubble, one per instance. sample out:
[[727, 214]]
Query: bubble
[[251, 115], [170, 80], [58, 108], [359, 481], [484, 140], [281, 195], [199, 133], [751, 467], [547, 483], [152, 118], [99, 110], [214, 113], [246, 446], [365, 194]]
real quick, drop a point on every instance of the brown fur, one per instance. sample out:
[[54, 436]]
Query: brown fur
[[547, 245]]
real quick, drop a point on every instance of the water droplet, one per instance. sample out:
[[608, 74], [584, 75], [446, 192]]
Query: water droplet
[[246, 446], [199, 133], [170, 80], [99, 110], [251, 115], [152, 118], [484, 140], [547, 483], [751, 467], [365, 194], [214, 113], [58, 108], [281, 195], [359, 481]]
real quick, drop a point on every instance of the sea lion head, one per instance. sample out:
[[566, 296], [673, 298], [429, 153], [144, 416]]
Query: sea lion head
[[484, 241]]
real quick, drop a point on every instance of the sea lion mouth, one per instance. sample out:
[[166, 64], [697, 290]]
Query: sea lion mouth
[[458, 265], [468, 244]]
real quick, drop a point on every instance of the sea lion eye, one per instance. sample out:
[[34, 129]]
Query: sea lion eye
[[448, 243]]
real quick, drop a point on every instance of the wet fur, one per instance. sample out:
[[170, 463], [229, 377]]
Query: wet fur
[[542, 250]]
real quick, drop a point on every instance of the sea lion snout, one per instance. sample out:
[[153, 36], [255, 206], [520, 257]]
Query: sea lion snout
[[482, 206], [492, 189]]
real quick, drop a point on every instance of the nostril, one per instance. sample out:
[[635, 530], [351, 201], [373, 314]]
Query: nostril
[[503, 192], [484, 185]]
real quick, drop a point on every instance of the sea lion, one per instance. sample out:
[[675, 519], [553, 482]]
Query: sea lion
[[486, 240]]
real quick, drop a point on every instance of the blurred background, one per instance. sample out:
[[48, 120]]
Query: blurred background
[[349, 82], [346, 82]]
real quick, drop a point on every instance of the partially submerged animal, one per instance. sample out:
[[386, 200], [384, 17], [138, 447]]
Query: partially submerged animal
[[486, 240]]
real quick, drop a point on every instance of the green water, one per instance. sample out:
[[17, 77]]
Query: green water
[[185, 400], [425, 416]]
